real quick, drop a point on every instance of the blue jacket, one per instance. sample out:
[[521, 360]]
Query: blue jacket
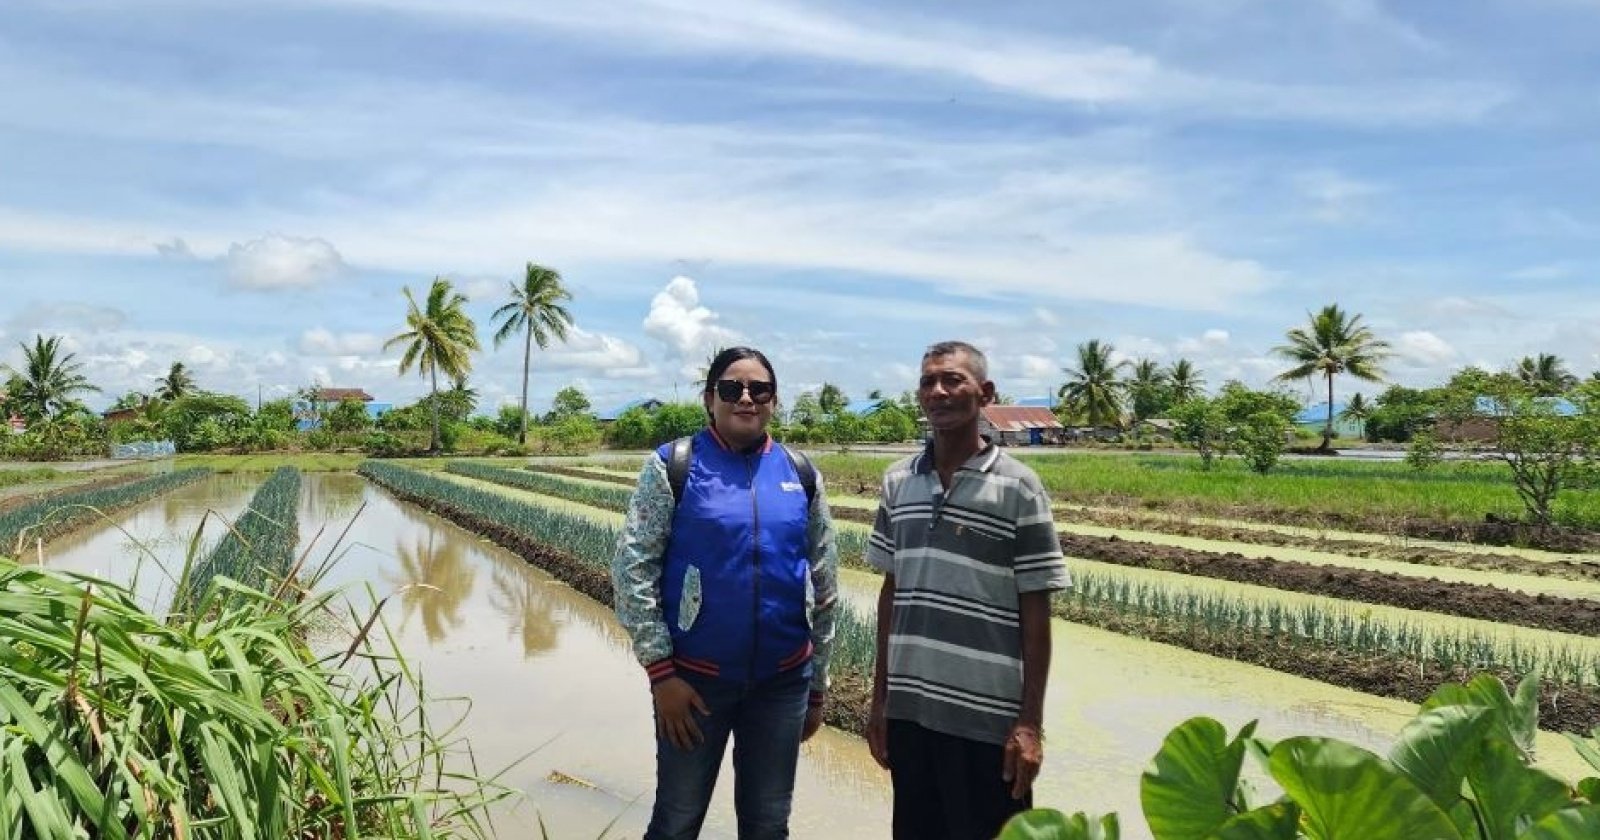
[[738, 580]]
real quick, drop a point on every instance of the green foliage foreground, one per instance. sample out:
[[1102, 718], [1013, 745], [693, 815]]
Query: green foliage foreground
[[1460, 770], [115, 723]]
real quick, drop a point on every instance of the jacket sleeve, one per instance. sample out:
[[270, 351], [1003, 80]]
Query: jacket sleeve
[[636, 569], [823, 554]]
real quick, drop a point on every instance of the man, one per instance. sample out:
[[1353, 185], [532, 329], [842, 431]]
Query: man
[[969, 553]]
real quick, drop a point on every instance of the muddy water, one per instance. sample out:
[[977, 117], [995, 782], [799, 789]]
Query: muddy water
[[147, 545], [548, 676]]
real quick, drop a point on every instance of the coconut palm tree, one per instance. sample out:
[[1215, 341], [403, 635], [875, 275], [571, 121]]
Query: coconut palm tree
[[45, 384], [1547, 375], [1147, 389], [1331, 343], [534, 310], [1184, 381], [1092, 390], [441, 339], [178, 382], [1357, 411]]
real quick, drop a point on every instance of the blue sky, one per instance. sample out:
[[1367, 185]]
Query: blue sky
[[247, 186]]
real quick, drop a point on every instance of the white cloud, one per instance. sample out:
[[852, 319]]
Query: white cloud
[[66, 315], [1424, 348], [1546, 271], [1045, 317], [583, 350], [176, 249], [1334, 197], [1038, 367], [1215, 337], [282, 262], [323, 342], [1011, 61], [690, 331], [200, 354]]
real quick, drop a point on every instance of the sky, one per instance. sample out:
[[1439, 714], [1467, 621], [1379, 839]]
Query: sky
[[247, 187]]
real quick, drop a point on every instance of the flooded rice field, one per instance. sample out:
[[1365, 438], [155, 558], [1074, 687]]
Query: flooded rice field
[[546, 680]]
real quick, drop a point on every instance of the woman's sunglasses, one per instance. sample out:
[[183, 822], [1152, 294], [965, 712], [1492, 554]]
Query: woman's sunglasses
[[729, 390]]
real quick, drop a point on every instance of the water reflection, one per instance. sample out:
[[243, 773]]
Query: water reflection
[[525, 603], [434, 580]]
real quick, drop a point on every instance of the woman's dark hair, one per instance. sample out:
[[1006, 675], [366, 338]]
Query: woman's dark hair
[[725, 359]]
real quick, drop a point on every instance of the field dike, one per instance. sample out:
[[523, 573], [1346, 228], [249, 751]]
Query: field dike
[[583, 560]]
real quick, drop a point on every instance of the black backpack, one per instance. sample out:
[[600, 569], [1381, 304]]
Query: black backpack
[[682, 448]]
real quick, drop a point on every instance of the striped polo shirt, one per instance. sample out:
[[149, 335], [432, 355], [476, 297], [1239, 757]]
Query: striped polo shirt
[[959, 559]]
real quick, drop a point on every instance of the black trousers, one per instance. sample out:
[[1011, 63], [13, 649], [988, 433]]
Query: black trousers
[[948, 788]]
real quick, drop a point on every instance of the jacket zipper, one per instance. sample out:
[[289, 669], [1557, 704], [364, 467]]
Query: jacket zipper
[[755, 555]]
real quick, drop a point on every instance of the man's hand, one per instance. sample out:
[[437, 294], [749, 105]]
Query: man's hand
[[676, 702], [813, 723], [878, 734], [1024, 753]]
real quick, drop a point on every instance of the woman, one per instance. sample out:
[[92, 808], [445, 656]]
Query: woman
[[727, 587]]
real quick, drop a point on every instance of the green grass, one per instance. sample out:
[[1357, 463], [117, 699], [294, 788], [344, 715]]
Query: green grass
[[32, 475], [1373, 492]]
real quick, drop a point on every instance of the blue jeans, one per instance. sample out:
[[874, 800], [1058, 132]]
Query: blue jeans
[[765, 719]]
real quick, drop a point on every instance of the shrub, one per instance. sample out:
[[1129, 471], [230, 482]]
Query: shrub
[[1424, 453], [1260, 440]]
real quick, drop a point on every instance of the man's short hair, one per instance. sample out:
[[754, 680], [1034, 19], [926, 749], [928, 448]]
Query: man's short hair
[[978, 362]]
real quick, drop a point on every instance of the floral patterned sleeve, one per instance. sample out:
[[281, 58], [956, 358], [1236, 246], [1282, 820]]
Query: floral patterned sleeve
[[823, 553], [636, 569]]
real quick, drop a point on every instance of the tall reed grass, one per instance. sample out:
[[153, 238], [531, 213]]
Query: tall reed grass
[[117, 723], [259, 548]]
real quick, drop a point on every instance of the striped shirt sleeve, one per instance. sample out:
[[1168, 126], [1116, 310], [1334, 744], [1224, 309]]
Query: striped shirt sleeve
[[880, 544], [823, 553], [1038, 564], [636, 569]]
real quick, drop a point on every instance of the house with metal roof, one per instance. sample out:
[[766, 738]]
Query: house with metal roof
[[308, 416], [1020, 425]]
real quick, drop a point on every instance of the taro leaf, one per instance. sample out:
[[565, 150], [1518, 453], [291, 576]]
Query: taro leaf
[[1566, 824], [1187, 790], [1436, 747], [1277, 821], [1347, 792], [1518, 719], [1050, 824], [1510, 793]]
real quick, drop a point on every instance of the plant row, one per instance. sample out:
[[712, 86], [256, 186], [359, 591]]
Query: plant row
[[62, 512], [852, 543], [115, 723], [607, 498], [258, 549], [1339, 645], [1488, 603], [579, 551]]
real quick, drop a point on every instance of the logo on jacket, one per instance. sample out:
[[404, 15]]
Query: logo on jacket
[[791, 486]]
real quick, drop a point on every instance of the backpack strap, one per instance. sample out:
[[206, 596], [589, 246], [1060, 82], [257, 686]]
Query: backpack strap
[[806, 470], [678, 466], [683, 449]]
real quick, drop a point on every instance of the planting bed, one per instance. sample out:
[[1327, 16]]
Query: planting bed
[[1568, 615], [62, 512]]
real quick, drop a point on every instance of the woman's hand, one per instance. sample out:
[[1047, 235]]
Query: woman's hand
[[813, 723], [676, 702]]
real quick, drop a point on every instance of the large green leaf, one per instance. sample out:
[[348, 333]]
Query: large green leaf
[[1511, 794], [1436, 747], [1189, 787], [1518, 718], [1277, 821], [1347, 792], [1050, 824], [1566, 824]]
